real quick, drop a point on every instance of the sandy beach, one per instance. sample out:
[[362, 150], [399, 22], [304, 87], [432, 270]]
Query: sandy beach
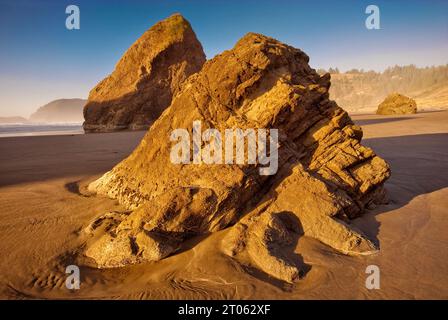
[[44, 210]]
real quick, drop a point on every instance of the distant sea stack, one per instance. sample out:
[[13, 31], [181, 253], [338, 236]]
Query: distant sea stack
[[11, 120], [62, 110], [325, 176], [145, 79], [396, 103]]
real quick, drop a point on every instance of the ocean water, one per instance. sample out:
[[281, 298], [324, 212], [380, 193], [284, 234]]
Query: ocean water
[[19, 130]]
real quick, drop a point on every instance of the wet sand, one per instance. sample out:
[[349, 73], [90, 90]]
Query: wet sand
[[43, 212]]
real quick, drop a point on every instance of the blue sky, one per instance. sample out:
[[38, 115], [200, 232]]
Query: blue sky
[[40, 60]]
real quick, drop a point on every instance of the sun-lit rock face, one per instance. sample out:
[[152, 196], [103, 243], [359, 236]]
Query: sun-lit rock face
[[325, 177], [396, 103], [145, 79]]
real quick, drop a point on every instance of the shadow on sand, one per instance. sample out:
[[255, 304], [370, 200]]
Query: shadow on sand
[[419, 166], [42, 158], [366, 122]]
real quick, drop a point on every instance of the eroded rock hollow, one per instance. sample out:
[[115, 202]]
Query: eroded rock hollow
[[325, 176], [145, 79]]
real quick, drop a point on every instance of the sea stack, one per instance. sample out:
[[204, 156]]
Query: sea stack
[[145, 79], [61, 110], [396, 103], [325, 176]]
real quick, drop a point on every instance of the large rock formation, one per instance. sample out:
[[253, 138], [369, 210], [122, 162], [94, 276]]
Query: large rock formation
[[396, 103], [325, 176], [61, 110], [145, 79]]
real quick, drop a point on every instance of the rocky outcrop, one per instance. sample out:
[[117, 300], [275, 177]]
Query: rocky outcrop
[[325, 176], [145, 79], [61, 110], [396, 103]]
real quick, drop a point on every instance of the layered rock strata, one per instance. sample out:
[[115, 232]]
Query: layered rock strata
[[325, 176]]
